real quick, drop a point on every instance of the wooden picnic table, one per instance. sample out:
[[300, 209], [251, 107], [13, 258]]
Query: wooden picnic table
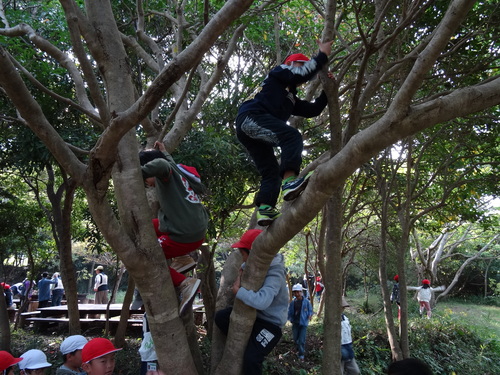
[[92, 314], [85, 309]]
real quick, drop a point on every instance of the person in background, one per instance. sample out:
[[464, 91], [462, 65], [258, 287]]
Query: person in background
[[395, 294], [261, 125], [7, 362], [270, 301], [7, 293], [409, 366], [98, 357], [34, 362], [44, 289], [71, 350], [16, 290], [305, 286], [300, 312], [348, 363], [147, 351], [424, 296], [26, 292], [101, 286], [319, 288], [58, 290]]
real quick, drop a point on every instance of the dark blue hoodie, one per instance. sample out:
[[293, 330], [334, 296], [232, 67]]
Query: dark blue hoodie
[[278, 93]]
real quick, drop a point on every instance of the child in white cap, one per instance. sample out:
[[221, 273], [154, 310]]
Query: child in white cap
[[7, 362], [71, 350], [34, 363], [98, 357]]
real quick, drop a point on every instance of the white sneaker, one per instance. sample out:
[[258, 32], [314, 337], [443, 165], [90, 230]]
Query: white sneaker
[[188, 289]]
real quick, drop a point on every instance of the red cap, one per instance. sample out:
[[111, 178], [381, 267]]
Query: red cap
[[190, 170], [7, 360], [296, 57], [396, 278], [247, 239], [425, 281], [96, 348]]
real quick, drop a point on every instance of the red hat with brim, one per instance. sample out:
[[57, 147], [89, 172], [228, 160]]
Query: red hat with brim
[[247, 239], [396, 278], [7, 360], [191, 171], [425, 281], [296, 57], [96, 348]]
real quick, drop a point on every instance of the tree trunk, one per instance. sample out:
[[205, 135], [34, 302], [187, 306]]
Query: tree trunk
[[121, 330], [62, 233], [389, 320], [225, 298], [119, 276], [333, 285], [5, 336], [208, 286]]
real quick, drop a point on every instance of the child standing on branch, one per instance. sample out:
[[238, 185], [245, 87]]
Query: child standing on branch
[[261, 125]]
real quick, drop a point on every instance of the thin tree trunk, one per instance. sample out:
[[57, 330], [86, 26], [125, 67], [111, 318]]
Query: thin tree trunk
[[333, 281], [206, 271], [397, 354], [121, 330], [5, 336]]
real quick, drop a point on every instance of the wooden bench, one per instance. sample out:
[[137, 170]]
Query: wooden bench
[[40, 323], [26, 315]]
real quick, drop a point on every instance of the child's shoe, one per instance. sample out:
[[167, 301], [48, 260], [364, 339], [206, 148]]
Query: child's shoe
[[183, 264], [266, 215], [188, 289], [291, 189]]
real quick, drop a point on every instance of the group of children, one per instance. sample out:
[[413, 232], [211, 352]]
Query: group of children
[[182, 222], [424, 295], [80, 357]]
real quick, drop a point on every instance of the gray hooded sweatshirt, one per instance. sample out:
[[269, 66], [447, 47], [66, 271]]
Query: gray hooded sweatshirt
[[271, 300]]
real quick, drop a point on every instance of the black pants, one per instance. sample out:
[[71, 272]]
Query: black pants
[[263, 339], [260, 133]]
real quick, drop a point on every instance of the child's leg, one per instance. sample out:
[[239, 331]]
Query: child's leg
[[427, 306], [262, 154], [177, 278], [173, 249]]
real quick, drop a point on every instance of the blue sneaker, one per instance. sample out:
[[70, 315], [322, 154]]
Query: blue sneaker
[[292, 189], [266, 215]]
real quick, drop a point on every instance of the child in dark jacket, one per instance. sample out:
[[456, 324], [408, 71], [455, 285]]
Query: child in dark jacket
[[261, 126]]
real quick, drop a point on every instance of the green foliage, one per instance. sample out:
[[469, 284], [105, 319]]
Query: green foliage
[[446, 342], [225, 169]]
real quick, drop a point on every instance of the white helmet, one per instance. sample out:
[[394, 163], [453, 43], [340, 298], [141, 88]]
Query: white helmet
[[297, 288]]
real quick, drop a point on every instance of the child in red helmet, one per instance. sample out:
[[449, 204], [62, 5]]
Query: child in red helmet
[[424, 296], [261, 126]]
